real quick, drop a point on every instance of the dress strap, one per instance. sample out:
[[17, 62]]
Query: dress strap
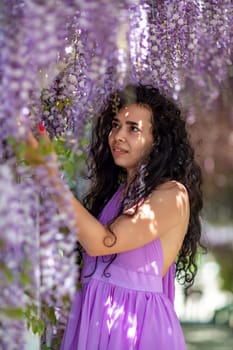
[[112, 207]]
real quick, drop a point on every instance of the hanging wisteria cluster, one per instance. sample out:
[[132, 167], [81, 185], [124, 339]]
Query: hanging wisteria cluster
[[18, 281], [184, 48], [38, 272], [59, 62]]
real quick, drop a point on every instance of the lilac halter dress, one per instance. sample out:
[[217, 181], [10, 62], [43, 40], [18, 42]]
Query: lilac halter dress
[[130, 307]]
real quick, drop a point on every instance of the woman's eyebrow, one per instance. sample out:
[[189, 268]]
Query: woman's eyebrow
[[128, 122], [132, 123]]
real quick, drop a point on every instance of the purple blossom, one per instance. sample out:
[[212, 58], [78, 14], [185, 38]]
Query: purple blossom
[[19, 278], [59, 61]]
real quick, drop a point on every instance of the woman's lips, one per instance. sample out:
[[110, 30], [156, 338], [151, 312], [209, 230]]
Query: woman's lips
[[118, 151]]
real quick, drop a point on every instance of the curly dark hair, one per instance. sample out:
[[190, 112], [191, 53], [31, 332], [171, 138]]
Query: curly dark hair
[[171, 158]]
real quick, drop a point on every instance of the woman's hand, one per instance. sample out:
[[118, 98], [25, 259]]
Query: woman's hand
[[41, 152]]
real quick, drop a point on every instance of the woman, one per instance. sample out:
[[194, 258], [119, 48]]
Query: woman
[[139, 228]]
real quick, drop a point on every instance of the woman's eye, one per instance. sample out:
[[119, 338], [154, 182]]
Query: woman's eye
[[115, 125], [134, 129]]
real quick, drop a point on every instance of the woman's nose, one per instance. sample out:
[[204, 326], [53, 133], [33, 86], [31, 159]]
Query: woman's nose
[[120, 134]]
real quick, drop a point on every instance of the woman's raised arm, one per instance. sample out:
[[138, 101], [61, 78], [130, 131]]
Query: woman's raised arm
[[164, 213]]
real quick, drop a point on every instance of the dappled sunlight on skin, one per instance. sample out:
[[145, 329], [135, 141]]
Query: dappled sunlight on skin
[[182, 203], [146, 213], [126, 114]]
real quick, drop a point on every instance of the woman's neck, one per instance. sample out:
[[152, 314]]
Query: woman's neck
[[130, 177]]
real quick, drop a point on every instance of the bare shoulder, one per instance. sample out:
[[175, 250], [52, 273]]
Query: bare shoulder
[[172, 185], [171, 201], [170, 191]]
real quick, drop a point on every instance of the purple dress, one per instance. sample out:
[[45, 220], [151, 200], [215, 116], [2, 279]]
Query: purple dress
[[129, 309]]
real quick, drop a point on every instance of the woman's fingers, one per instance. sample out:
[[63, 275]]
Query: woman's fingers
[[41, 127], [37, 151], [31, 140], [32, 154], [43, 132]]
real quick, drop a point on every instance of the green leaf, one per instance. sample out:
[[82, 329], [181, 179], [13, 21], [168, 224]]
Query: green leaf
[[41, 327], [34, 326], [7, 272], [50, 313], [27, 264], [24, 278], [45, 347], [60, 105], [34, 322], [18, 147], [65, 230], [79, 286], [37, 326], [83, 142], [69, 169], [14, 313]]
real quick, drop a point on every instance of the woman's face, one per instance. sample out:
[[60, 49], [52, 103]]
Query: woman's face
[[130, 139]]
